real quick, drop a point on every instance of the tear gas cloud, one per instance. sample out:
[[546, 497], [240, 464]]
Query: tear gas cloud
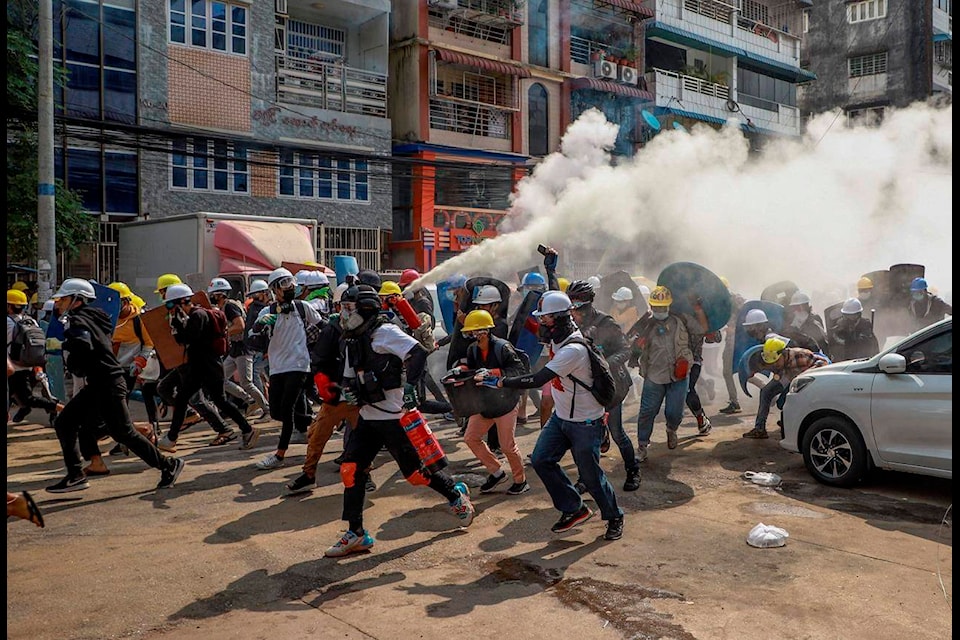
[[820, 210]]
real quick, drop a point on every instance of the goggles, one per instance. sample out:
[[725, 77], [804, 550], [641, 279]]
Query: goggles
[[172, 304], [285, 282], [476, 333]]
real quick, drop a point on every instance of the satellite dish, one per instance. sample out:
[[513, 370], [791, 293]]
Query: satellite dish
[[679, 127], [650, 119]]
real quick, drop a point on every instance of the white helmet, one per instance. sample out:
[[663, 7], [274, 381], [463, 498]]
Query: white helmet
[[318, 279], [75, 287], [219, 284], [338, 292], [302, 277], [277, 275], [851, 306], [553, 302], [799, 298], [594, 282], [48, 305], [488, 294], [178, 292], [256, 286], [622, 294], [644, 291], [755, 316]]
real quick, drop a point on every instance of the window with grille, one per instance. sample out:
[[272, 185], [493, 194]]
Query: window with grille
[[309, 176], [867, 65], [200, 164], [207, 24], [867, 10], [307, 40]]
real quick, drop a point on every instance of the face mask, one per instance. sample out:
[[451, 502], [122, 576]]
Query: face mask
[[917, 295], [799, 318], [660, 315], [350, 320], [289, 294], [865, 295]]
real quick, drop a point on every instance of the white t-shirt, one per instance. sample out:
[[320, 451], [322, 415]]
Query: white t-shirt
[[288, 346], [387, 339], [573, 359]]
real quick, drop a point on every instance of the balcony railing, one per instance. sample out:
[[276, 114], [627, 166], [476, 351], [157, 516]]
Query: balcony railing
[[331, 85], [710, 8], [472, 119], [690, 83], [497, 13], [581, 49]]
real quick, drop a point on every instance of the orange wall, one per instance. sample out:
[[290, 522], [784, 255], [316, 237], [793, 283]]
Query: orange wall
[[208, 89]]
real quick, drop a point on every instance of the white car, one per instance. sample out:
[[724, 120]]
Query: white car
[[892, 411]]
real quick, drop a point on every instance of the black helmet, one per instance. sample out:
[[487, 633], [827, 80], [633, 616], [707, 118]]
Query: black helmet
[[366, 298], [370, 277], [581, 292]]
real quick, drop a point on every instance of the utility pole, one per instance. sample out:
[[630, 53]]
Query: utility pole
[[46, 191]]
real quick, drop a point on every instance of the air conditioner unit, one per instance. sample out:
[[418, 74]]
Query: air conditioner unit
[[442, 5], [605, 69], [628, 75]]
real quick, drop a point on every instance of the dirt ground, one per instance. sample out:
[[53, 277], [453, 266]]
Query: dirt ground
[[223, 555]]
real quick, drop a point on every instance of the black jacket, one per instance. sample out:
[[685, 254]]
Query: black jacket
[[851, 341], [606, 334], [88, 346], [197, 335]]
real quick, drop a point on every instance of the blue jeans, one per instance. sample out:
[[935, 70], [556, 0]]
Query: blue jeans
[[768, 393], [651, 398], [582, 439]]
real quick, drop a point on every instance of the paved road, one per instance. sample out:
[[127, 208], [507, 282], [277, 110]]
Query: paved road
[[222, 555]]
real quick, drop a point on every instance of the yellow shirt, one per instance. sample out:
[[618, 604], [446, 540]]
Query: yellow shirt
[[124, 333]]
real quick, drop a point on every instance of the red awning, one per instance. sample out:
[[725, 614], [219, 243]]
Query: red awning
[[629, 5], [454, 57], [610, 87]]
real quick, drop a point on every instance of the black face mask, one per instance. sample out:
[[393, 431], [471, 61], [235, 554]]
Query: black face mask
[[289, 294]]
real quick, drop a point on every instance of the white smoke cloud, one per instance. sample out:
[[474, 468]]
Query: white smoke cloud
[[819, 210]]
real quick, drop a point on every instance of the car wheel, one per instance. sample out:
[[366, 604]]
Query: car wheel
[[834, 452]]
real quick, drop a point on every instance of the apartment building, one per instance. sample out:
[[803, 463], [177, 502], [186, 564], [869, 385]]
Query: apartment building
[[871, 55], [275, 108]]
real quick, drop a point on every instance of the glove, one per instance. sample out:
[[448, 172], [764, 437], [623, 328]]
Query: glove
[[268, 320], [681, 368], [453, 372], [410, 399], [349, 396], [550, 260], [138, 364], [490, 381], [481, 374]]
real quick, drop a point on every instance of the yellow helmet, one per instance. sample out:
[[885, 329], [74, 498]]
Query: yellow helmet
[[564, 283], [138, 302], [389, 288], [478, 319], [660, 297], [19, 285], [17, 297], [864, 283], [34, 299], [772, 349], [166, 280], [121, 288]]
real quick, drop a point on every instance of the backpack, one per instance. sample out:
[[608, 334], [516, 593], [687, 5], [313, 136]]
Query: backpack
[[258, 338], [218, 327], [504, 344], [29, 344], [604, 389]]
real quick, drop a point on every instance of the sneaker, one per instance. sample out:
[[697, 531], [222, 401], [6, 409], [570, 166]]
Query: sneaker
[[272, 461], [301, 484], [756, 434], [703, 425], [632, 483], [569, 520], [733, 407], [68, 484], [117, 450], [492, 481], [169, 476], [671, 438], [21, 414], [298, 437], [462, 507], [518, 487], [338, 460], [251, 409], [614, 529], [166, 444], [641, 453], [580, 487], [370, 486], [263, 416], [250, 438], [449, 416], [350, 543]]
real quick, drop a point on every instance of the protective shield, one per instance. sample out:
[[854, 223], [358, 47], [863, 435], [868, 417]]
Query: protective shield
[[881, 286], [749, 364], [609, 285], [446, 292], [523, 333], [687, 281], [901, 275], [343, 265], [473, 286], [467, 398], [830, 316], [742, 340], [780, 292], [171, 353]]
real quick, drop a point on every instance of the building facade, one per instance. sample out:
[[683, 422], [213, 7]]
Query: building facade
[[270, 108], [871, 55]]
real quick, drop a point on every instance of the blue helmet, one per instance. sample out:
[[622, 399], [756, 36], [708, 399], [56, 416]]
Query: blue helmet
[[457, 281], [533, 279], [918, 284]]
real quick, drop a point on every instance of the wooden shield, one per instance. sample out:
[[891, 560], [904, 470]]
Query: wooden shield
[[172, 354]]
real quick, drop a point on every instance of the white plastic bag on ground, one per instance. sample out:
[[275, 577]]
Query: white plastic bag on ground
[[765, 536], [762, 478]]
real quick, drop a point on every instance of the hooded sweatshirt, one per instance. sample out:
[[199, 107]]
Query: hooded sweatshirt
[[88, 345]]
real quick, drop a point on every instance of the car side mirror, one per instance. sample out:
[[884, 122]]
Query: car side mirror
[[893, 363]]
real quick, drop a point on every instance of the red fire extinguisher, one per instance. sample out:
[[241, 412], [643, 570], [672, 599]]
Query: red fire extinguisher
[[403, 307], [421, 437]]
